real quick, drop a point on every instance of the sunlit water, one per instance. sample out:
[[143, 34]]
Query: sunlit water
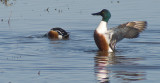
[[28, 57]]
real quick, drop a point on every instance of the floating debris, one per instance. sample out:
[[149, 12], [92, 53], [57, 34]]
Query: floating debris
[[60, 11], [47, 9], [9, 18], [9, 21], [2, 20], [39, 72], [115, 2]]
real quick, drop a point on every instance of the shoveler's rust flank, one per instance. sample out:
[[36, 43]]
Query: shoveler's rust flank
[[100, 41], [52, 34], [57, 33]]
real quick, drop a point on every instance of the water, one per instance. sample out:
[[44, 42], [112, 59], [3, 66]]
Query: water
[[27, 57]]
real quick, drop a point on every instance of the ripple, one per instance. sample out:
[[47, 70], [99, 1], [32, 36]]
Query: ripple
[[133, 67], [145, 42]]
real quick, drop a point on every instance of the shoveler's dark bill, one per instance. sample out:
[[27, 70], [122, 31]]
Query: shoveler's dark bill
[[99, 13]]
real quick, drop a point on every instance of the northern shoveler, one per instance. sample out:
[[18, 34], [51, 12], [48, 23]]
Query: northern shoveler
[[106, 39], [57, 33]]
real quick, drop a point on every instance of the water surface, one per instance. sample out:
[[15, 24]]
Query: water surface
[[27, 56]]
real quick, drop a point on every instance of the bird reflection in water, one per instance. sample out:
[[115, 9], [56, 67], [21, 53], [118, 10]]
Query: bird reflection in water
[[101, 61], [122, 72]]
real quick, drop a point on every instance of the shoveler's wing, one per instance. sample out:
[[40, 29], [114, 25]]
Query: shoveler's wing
[[126, 30]]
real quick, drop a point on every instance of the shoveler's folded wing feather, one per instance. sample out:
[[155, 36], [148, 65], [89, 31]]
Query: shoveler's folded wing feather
[[126, 30]]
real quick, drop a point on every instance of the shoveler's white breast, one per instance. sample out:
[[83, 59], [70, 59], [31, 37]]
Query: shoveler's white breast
[[102, 28], [101, 37]]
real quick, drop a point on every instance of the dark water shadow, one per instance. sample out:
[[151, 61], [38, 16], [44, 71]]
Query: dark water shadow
[[103, 62]]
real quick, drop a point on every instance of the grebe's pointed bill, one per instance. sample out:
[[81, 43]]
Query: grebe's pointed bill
[[98, 13]]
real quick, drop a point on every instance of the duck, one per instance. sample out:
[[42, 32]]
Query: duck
[[106, 39], [57, 33]]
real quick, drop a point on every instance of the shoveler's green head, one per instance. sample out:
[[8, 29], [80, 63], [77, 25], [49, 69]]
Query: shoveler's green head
[[106, 15]]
